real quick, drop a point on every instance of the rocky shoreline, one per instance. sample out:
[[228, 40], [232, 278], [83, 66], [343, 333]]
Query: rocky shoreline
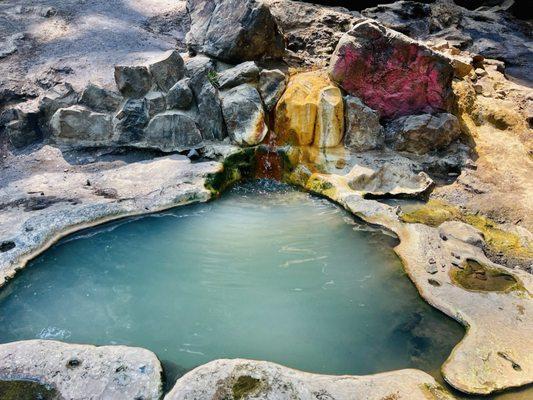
[[368, 113]]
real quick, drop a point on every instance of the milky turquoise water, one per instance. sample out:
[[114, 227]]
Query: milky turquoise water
[[266, 272]]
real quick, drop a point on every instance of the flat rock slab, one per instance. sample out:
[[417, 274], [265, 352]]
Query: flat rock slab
[[83, 371], [261, 380], [43, 197]]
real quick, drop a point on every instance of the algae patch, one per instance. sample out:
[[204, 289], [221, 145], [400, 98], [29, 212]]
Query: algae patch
[[244, 386], [477, 277], [26, 390], [435, 212], [235, 167]]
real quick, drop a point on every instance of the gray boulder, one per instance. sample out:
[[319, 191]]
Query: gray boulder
[[156, 102], [421, 134], [172, 131], [59, 96], [244, 115], [133, 80], [80, 125], [272, 84], [242, 73], [167, 70], [100, 99], [21, 124], [363, 131], [234, 30], [180, 95], [130, 120]]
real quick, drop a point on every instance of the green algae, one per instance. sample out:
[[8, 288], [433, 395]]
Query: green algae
[[244, 386], [235, 167], [481, 278], [435, 212], [26, 390]]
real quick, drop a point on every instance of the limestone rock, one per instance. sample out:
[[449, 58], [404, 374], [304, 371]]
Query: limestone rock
[[272, 84], [463, 232], [310, 111], [80, 372], [363, 131], [172, 131], [233, 30], [59, 96], [261, 380], [130, 120], [167, 70], [156, 102], [243, 73], [244, 115], [79, 125], [390, 179], [423, 133], [100, 99], [391, 73], [330, 118], [133, 80], [180, 95]]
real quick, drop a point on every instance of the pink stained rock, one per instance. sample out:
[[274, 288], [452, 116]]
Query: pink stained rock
[[390, 72]]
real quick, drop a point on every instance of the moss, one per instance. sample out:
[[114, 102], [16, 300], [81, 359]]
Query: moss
[[244, 386], [481, 278], [235, 167], [26, 390], [435, 212]]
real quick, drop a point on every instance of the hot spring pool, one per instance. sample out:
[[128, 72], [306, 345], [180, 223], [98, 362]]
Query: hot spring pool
[[266, 272]]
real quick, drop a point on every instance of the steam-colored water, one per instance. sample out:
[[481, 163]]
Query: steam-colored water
[[265, 272]]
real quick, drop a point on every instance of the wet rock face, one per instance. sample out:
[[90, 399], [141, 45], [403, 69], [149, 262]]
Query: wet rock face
[[311, 111], [234, 30], [390, 72], [421, 134]]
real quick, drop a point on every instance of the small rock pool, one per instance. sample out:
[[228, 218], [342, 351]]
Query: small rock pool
[[266, 272]]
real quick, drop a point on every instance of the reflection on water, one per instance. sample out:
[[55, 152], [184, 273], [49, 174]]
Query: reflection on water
[[266, 272]]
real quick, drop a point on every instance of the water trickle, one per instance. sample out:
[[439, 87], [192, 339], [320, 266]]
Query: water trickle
[[265, 272]]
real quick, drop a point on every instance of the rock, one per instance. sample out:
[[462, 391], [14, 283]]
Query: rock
[[79, 372], [172, 131], [233, 30], [243, 73], [59, 96], [167, 70], [272, 84], [391, 73], [180, 95], [310, 111], [130, 120], [423, 133], [363, 131], [202, 73], [79, 125], [463, 232], [156, 102], [100, 99], [10, 44], [390, 179], [312, 30], [261, 380], [243, 112], [330, 118], [133, 80], [21, 124]]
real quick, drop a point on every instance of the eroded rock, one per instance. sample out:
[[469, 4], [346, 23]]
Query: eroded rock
[[244, 115], [78, 125], [423, 133], [391, 73], [363, 131], [133, 80], [172, 131], [167, 70], [234, 30], [243, 73]]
